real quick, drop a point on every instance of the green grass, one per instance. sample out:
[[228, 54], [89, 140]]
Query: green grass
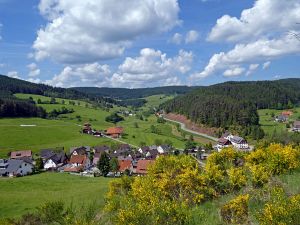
[[22, 195], [156, 100], [269, 125]]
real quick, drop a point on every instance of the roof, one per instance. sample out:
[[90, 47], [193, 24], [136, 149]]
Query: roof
[[114, 130], [58, 157], [287, 113], [297, 124], [73, 169], [237, 139], [20, 154], [224, 141], [142, 165], [124, 165], [80, 150], [79, 159], [46, 153], [102, 148]]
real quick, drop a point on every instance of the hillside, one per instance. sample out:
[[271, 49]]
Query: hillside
[[235, 104], [125, 93]]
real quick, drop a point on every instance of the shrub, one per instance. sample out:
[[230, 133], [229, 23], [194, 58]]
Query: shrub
[[236, 210]]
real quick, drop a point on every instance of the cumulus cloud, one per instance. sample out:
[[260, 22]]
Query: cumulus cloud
[[191, 36], [260, 35], [265, 18], [33, 70], [87, 31], [176, 39], [254, 51], [152, 68], [13, 74], [252, 68], [235, 71], [92, 74], [266, 65]]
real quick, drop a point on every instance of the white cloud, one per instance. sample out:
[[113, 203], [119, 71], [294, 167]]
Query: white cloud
[[33, 70], [81, 75], [176, 39], [252, 68], [13, 74], [191, 36], [86, 31], [266, 65], [235, 71], [266, 18], [34, 80], [152, 68], [252, 52]]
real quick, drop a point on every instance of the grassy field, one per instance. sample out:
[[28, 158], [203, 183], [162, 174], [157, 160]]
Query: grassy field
[[65, 131], [269, 125], [155, 101], [23, 195]]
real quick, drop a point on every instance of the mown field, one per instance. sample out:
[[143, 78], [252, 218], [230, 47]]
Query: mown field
[[22, 195], [269, 125]]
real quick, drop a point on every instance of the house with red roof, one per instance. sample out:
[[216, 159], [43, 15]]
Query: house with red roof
[[77, 163], [142, 166], [114, 132], [125, 165], [21, 154]]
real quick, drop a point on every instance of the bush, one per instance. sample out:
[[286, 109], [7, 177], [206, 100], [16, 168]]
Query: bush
[[236, 211]]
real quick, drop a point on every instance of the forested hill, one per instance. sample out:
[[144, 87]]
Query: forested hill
[[235, 103], [125, 93], [11, 86]]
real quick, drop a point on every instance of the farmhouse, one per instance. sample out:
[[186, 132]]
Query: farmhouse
[[223, 143], [77, 163], [83, 150], [114, 132], [162, 149], [142, 166], [296, 126], [103, 148], [21, 154], [287, 113], [87, 128], [15, 167], [281, 118]]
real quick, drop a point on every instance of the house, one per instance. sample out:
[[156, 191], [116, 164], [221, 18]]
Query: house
[[21, 154], [223, 143], [102, 148], [162, 149], [296, 126], [87, 128], [96, 157], [114, 132], [281, 118], [15, 167], [142, 166], [287, 113], [238, 142], [77, 163], [144, 149], [152, 154], [83, 150], [125, 165], [56, 160]]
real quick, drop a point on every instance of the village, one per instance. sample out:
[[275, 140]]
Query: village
[[129, 160]]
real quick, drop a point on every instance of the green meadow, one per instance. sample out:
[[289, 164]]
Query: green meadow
[[269, 125], [22, 195]]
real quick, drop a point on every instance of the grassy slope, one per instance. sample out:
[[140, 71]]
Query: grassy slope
[[22, 195], [268, 123]]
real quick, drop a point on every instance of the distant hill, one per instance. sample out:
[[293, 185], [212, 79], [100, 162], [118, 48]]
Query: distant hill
[[125, 93], [235, 104]]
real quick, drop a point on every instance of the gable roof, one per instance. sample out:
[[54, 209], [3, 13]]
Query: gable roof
[[124, 165], [102, 148], [46, 153], [83, 150], [20, 154], [237, 139], [142, 165], [224, 141], [79, 159], [114, 130]]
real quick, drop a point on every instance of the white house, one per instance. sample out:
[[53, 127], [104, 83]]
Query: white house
[[238, 142], [16, 167]]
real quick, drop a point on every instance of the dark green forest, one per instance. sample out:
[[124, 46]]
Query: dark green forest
[[235, 104]]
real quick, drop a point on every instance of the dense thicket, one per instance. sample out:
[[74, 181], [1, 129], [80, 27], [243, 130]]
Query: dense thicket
[[125, 93], [235, 103]]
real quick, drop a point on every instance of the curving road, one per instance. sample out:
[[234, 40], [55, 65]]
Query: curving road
[[183, 127]]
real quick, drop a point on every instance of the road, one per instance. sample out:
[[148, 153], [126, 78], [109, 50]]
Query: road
[[183, 127]]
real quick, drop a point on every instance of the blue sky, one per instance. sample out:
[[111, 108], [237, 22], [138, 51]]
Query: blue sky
[[148, 43]]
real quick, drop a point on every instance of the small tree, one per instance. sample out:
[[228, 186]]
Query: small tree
[[39, 165], [39, 101], [103, 164], [136, 125], [114, 165], [53, 101]]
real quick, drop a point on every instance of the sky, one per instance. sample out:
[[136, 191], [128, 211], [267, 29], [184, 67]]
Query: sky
[[147, 43]]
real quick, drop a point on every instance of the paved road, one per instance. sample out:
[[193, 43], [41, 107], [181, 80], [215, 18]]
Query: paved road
[[183, 127]]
